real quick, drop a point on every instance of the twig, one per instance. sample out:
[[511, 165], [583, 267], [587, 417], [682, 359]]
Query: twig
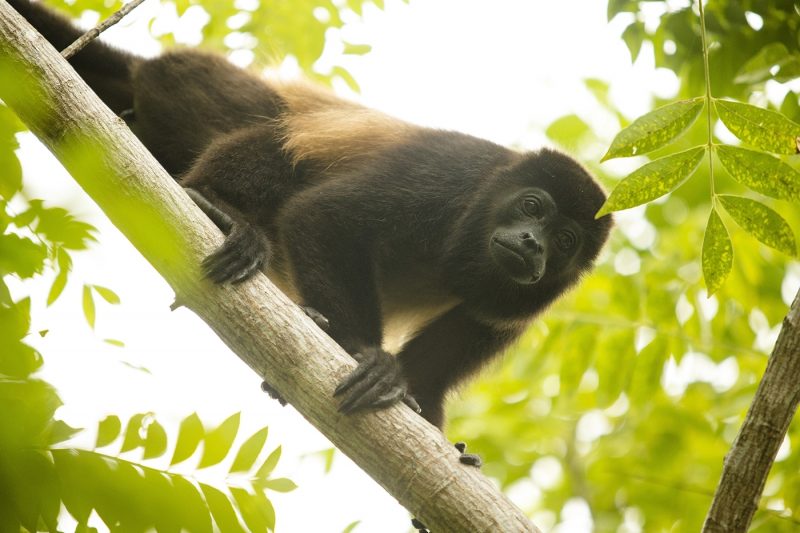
[[92, 34], [747, 464]]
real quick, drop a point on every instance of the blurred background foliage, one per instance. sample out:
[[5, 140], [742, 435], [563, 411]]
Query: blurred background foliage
[[625, 399], [621, 403]]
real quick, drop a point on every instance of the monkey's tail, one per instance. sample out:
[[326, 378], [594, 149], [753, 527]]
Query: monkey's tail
[[107, 70]]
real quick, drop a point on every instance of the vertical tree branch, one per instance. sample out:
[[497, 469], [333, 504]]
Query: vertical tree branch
[[748, 462]]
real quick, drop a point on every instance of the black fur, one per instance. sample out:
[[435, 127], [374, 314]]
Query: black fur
[[465, 232]]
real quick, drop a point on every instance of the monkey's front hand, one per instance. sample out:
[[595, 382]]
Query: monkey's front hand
[[376, 382], [244, 251]]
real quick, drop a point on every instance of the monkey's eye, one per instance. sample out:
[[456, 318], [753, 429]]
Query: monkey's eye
[[565, 240], [532, 206]]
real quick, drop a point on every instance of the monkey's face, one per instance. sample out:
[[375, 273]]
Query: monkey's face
[[531, 239]]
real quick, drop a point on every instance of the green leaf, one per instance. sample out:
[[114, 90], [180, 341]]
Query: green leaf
[[221, 509], [653, 180], [356, 49], [761, 222], [190, 434], [88, 305], [634, 36], [108, 430], [760, 67], [618, 6], [568, 130], [280, 484], [59, 431], [115, 342], [59, 226], [655, 129], [269, 464], [760, 128], [107, 294], [717, 253], [218, 441], [11, 174], [248, 453], [255, 515], [57, 287], [327, 457], [133, 433], [156, 442], [346, 77], [351, 526], [761, 172], [21, 256]]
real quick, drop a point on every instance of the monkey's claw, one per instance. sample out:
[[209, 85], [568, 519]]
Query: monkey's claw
[[470, 459], [376, 382], [318, 318], [242, 254], [419, 526]]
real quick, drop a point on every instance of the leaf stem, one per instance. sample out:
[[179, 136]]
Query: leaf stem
[[708, 101]]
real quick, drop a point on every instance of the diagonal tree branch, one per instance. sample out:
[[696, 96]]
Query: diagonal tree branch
[[410, 458], [748, 463]]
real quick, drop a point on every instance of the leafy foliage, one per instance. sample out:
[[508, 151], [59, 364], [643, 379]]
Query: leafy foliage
[[766, 130], [630, 391]]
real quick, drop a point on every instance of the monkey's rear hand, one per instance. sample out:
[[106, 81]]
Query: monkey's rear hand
[[243, 253], [376, 382]]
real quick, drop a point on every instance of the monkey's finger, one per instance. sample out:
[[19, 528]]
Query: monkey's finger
[[220, 264], [364, 394], [412, 403], [394, 395], [354, 377], [246, 272], [471, 459], [229, 264], [318, 318]]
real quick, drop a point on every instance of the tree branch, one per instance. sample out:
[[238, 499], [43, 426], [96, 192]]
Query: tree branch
[[410, 458], [92, 34], [747, 464]]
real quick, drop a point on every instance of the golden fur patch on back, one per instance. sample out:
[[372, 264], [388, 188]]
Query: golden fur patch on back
[[331, 132]]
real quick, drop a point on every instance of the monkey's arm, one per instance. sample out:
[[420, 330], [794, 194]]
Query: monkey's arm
[[238, 181], [329, 233], [447, 351]]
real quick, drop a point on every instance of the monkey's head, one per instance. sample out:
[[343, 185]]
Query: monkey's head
[[530, 232], [542, 224]]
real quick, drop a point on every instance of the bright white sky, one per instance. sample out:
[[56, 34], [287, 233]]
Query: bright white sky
[[501, 70]]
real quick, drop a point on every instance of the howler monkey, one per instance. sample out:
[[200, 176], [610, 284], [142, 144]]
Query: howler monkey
[[433, 245]]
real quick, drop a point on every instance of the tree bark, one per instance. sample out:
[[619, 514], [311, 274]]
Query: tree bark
[[410, 458], [747, 464]]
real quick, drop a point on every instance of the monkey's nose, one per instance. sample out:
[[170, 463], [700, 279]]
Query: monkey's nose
[[530, 242]]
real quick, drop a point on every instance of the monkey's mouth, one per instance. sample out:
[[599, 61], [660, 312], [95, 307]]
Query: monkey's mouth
[[519, 268]]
